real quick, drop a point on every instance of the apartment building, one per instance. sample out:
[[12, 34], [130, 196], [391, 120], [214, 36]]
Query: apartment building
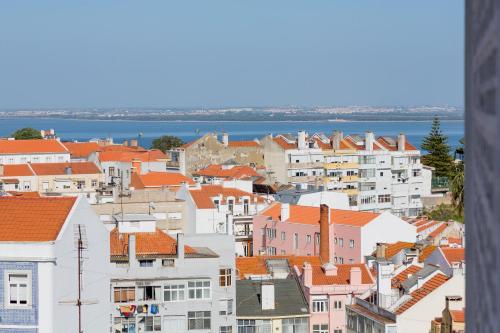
[[225, 209], [159, 180], [39, 266], [32, 151], [378, 174], [67, 179], [217, 173], [284, 229], [162, 284], [208, 150]]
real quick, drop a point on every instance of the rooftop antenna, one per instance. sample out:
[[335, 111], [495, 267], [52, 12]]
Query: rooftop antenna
[[81, 244]]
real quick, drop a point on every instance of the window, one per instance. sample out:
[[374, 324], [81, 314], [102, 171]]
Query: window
[[338, 330], [146, 263], [365, 200], [168, 262], [283, 236], [254, 326], [174, 292], [152, 323], [283, 252], [216, 203], [323, 328], [94, 183], [351, 243], [295, 325], [383, 198], [124, 294], [80, 184], [381, 174], [308, 239], [271, 250], [245, 209], [174, 324], [124, 325], [295, 241], [337, 305], [320, 305], [226, 329], [341, 242], [270, 233], [18, 289], [225, 277], [148, 293], [341, 260], [111, 171], [199, 320], [230, 205], [225, 307], [199, 290]]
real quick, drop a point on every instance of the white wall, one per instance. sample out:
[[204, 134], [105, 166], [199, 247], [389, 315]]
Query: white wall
[[335, 200]]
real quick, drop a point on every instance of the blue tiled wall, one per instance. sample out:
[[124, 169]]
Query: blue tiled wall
[[19, 316]]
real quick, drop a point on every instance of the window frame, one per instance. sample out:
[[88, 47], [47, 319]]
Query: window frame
[[192, 316], [203, 288], [29, 289], [225, 277], [180, 288]]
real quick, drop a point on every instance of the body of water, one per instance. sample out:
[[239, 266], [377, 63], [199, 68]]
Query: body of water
[[83, 130]]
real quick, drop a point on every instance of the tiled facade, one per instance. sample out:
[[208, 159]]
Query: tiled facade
[[22, 317]]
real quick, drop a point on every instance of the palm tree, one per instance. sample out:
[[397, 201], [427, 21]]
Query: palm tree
[[457, 188]]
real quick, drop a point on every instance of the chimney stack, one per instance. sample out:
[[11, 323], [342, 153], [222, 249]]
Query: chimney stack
[[180, 246], [324, 241], [125, 143], [369, 139], [136, 166], [133, 143], [267, 295], [225, 139], [401, 142], [381, 247], [384, 278], [337, 136], [355, 276], [68, 170], [131, 249], [1, 169], [285, 212], [307, 275], [454, 302], [301, 140]]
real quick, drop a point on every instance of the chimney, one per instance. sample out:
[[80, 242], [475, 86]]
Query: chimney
[[381, 247], [1, 169], [125, 143], [307, 278], [337, 136], [285, 212], [133, 143], [225, 139], [136, 166], [355, 276], [180, 246], [454, 303], [369, 139], [401, 142], [384, 278], [324, 241], [68, 170], [131, 248], [267, 295], [301, 140], [420, 282]]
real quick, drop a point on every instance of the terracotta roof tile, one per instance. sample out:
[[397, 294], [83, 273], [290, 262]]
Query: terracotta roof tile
[[426, 252], [81, 149], [432, 284], [77, 168], [436, 232], [235, 144], [26, 219], [128, 156], [202, 197], [394, 248], [458, 316], [453, 254], [31, 146], [16, 170], [235, 172], [398, 279], [146, 244], [427, 225], [284, 144], [310, 215], [159, 179]]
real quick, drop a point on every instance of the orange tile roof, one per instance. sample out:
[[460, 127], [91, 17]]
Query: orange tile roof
[[24, 194], [81, 149], [426, 226], [383, 142], [159, 179], [16, 170], [146, 244], [26, 219], [453, 254], [31, 146], [323, 145], [454, 240], [458, 316], [432, 284], [128, 156], [310, 215], [426, 252], [401, 277], [436, 232], [392, 249], [203, 197], [117, 147], [219, 171], [284, 144], [235, 144], [77, 168], [257, 266]]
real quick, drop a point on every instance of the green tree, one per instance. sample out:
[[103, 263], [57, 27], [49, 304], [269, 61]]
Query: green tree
[[438, 151], [167, 142], [457, 188], [26, 133]]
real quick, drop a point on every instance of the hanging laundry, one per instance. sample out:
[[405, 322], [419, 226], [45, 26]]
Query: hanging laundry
[[154, 308], [127, 310]]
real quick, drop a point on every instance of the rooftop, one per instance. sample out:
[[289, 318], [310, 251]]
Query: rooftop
[[453, 255], [25, 219], [428, 287], [31, 146], [234, 172], [203, 196], [81, 149], [159, 179], [129, 155], [74, 168]]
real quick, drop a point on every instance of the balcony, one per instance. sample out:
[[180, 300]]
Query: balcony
[[172, 164], [342, 166], [304, 179], [307, 165], [348, 179], [350, 191]]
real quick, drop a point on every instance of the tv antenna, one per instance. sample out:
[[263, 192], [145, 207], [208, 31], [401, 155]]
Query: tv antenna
[[81, 244]]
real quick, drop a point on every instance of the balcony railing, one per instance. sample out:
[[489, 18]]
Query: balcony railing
[[305, 165], [330, 166]]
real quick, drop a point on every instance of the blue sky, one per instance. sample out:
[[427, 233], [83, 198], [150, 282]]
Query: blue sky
[[230, 53]]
